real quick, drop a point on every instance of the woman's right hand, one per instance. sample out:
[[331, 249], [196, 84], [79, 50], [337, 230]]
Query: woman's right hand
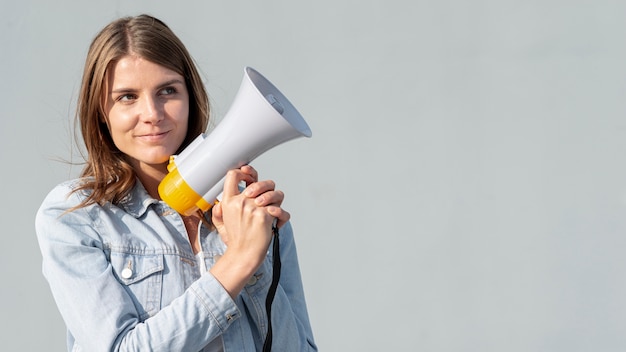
[[245, 226]]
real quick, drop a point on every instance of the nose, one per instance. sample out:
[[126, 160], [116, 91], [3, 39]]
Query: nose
[[152, 111]]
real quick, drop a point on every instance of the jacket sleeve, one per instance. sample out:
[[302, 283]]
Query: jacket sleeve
[[291, 329], [98, 311]]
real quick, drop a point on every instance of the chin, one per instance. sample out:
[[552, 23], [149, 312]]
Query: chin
[[157, 158], [153, 162]]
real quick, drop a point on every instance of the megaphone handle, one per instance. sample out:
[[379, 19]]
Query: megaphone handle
[[267, 345]]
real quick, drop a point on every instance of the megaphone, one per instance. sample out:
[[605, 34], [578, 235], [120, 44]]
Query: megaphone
[[260, 118]]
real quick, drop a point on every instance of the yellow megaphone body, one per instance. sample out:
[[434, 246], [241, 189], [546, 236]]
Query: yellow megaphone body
[[260, 118]]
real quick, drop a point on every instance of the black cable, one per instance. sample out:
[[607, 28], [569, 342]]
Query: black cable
[[267, 346]]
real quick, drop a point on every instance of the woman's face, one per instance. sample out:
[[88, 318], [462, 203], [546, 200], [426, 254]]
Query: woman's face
[[147, 108]]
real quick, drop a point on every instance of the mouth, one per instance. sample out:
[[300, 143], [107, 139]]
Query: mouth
[[157, 136]]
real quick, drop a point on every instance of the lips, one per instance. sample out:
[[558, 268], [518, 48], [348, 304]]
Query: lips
[[153, 136]]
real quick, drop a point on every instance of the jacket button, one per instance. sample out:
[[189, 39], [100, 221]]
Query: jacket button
[[127, 273]]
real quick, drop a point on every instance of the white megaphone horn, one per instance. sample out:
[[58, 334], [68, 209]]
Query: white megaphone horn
[[259, 119]]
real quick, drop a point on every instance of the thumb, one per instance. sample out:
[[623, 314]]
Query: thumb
[[217, 214]]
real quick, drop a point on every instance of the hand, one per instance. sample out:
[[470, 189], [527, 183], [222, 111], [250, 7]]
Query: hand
[[265, 195], [244, 222], [233, 215]]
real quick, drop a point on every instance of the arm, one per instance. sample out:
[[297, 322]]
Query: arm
[[98, 310], [290, 320]]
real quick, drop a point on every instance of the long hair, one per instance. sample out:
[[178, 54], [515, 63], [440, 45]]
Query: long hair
[[107, 174]]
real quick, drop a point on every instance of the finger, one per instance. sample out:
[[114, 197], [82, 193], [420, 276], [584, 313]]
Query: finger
[[231, 182], [270, 198], [281, 215], [216, 212], [255, 189], [250, 171]]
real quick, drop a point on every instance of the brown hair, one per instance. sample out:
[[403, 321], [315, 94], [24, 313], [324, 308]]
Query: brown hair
[[107, 174]]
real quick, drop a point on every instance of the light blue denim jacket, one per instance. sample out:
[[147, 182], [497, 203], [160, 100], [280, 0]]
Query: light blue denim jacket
[[125, 278]]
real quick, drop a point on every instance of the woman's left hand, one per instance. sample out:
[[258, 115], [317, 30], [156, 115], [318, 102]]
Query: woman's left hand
[[264, 194]]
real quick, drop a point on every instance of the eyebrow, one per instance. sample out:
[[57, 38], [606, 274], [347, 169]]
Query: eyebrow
[[164, 84]]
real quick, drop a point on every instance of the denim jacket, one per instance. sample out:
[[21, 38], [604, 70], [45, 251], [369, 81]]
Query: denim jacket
[[125, 278]]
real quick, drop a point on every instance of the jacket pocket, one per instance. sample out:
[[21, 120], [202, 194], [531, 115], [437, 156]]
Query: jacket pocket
[[142, 276]]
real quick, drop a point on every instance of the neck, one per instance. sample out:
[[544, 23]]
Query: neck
[[150, 177]]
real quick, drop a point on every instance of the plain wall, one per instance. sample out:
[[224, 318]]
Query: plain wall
[[464, 189]]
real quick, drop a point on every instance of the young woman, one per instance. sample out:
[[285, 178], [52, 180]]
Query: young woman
[[129, 273]]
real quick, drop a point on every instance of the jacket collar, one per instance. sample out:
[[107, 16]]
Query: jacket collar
[[137, 201]]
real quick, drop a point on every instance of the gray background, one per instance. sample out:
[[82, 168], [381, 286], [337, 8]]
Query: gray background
[[464, 189]]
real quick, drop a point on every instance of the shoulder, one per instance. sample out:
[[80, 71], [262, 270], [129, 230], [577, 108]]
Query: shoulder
[[66, 193], [64, 199], [58, 219]]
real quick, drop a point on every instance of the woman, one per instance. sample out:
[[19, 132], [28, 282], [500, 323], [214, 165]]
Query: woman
[[128, 272]]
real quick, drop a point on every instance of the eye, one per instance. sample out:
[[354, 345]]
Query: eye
[[168, 91], [126, 97]]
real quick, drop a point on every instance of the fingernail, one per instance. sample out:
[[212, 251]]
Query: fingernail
[[259, 200]]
